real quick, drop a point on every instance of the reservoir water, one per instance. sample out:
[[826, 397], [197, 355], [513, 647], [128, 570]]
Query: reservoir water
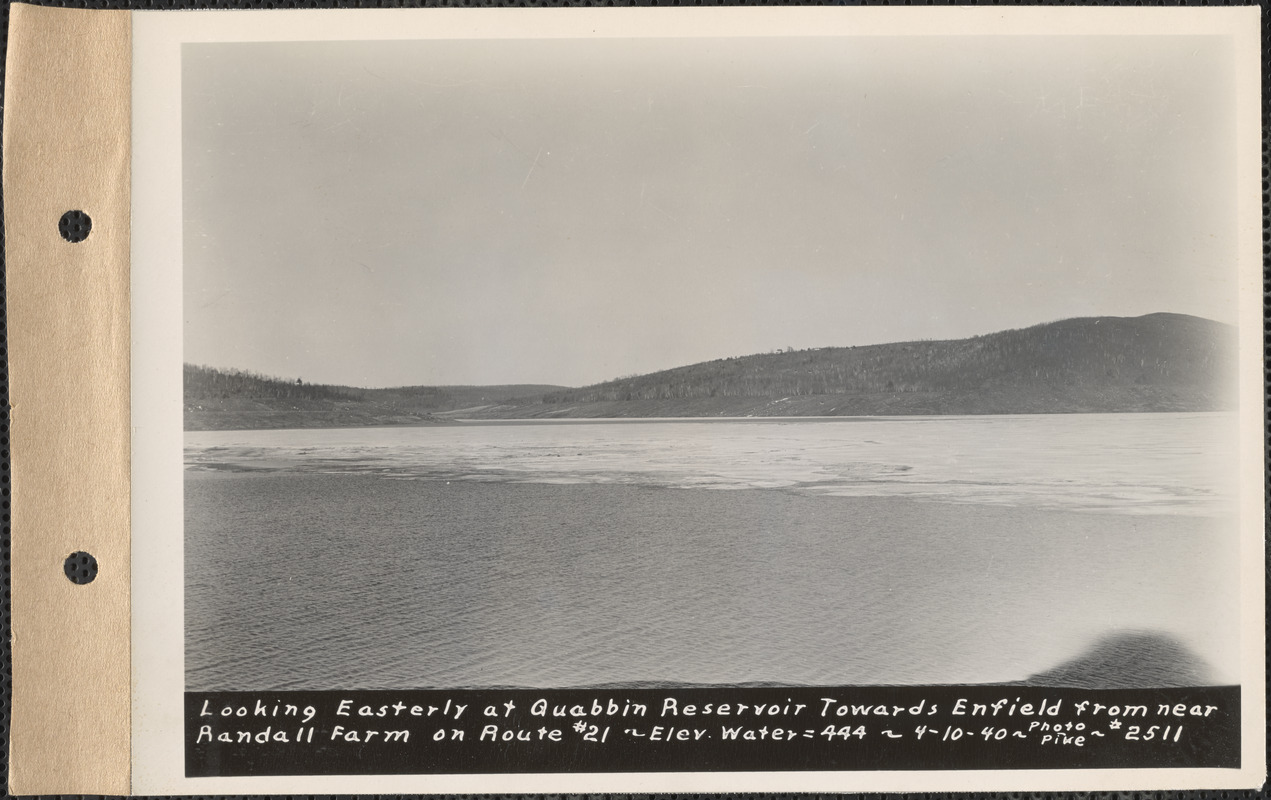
[[795, 551]]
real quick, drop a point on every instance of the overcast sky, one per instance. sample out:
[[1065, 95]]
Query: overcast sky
[[392, 213]]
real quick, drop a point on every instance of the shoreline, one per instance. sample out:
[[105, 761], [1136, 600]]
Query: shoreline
[[224, 471], [633, 420]]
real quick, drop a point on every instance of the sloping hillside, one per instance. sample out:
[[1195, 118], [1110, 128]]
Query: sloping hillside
[[217, 399], [1158, 362]]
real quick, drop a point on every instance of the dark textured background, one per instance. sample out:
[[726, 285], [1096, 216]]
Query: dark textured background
[[5, 672]]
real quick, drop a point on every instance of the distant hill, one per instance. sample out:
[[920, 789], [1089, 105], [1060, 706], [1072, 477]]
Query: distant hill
[[220, 399], [1158, 362]]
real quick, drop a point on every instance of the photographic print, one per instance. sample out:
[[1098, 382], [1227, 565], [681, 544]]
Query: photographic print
[[824, 381]]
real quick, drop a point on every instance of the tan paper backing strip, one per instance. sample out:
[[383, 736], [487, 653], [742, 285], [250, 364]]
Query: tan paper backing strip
[[66, 146]]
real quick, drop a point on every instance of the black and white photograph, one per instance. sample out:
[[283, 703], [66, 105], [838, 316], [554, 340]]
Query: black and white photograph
[[642, 364]]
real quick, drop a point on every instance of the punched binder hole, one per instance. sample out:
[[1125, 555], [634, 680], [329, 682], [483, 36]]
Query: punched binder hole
[[80, 567], [75, 226]]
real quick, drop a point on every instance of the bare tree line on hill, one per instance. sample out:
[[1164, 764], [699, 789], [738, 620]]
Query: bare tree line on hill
[[211, 383], [1079, 354], [1089, 357]]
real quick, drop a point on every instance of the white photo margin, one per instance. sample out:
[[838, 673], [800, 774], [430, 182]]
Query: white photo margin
[[157, 560]]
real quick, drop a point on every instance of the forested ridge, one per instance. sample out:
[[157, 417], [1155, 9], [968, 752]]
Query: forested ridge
[[205, 383], [1104, 352], [1157, 362], [218, 399]]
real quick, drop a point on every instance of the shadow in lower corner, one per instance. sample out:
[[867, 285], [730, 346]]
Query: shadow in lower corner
[[1129, 660]]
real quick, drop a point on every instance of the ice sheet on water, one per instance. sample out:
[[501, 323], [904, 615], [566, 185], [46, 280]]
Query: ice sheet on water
[[1121, 463]]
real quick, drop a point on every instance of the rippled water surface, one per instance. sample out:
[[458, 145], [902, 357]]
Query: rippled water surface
[[908, 550]]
